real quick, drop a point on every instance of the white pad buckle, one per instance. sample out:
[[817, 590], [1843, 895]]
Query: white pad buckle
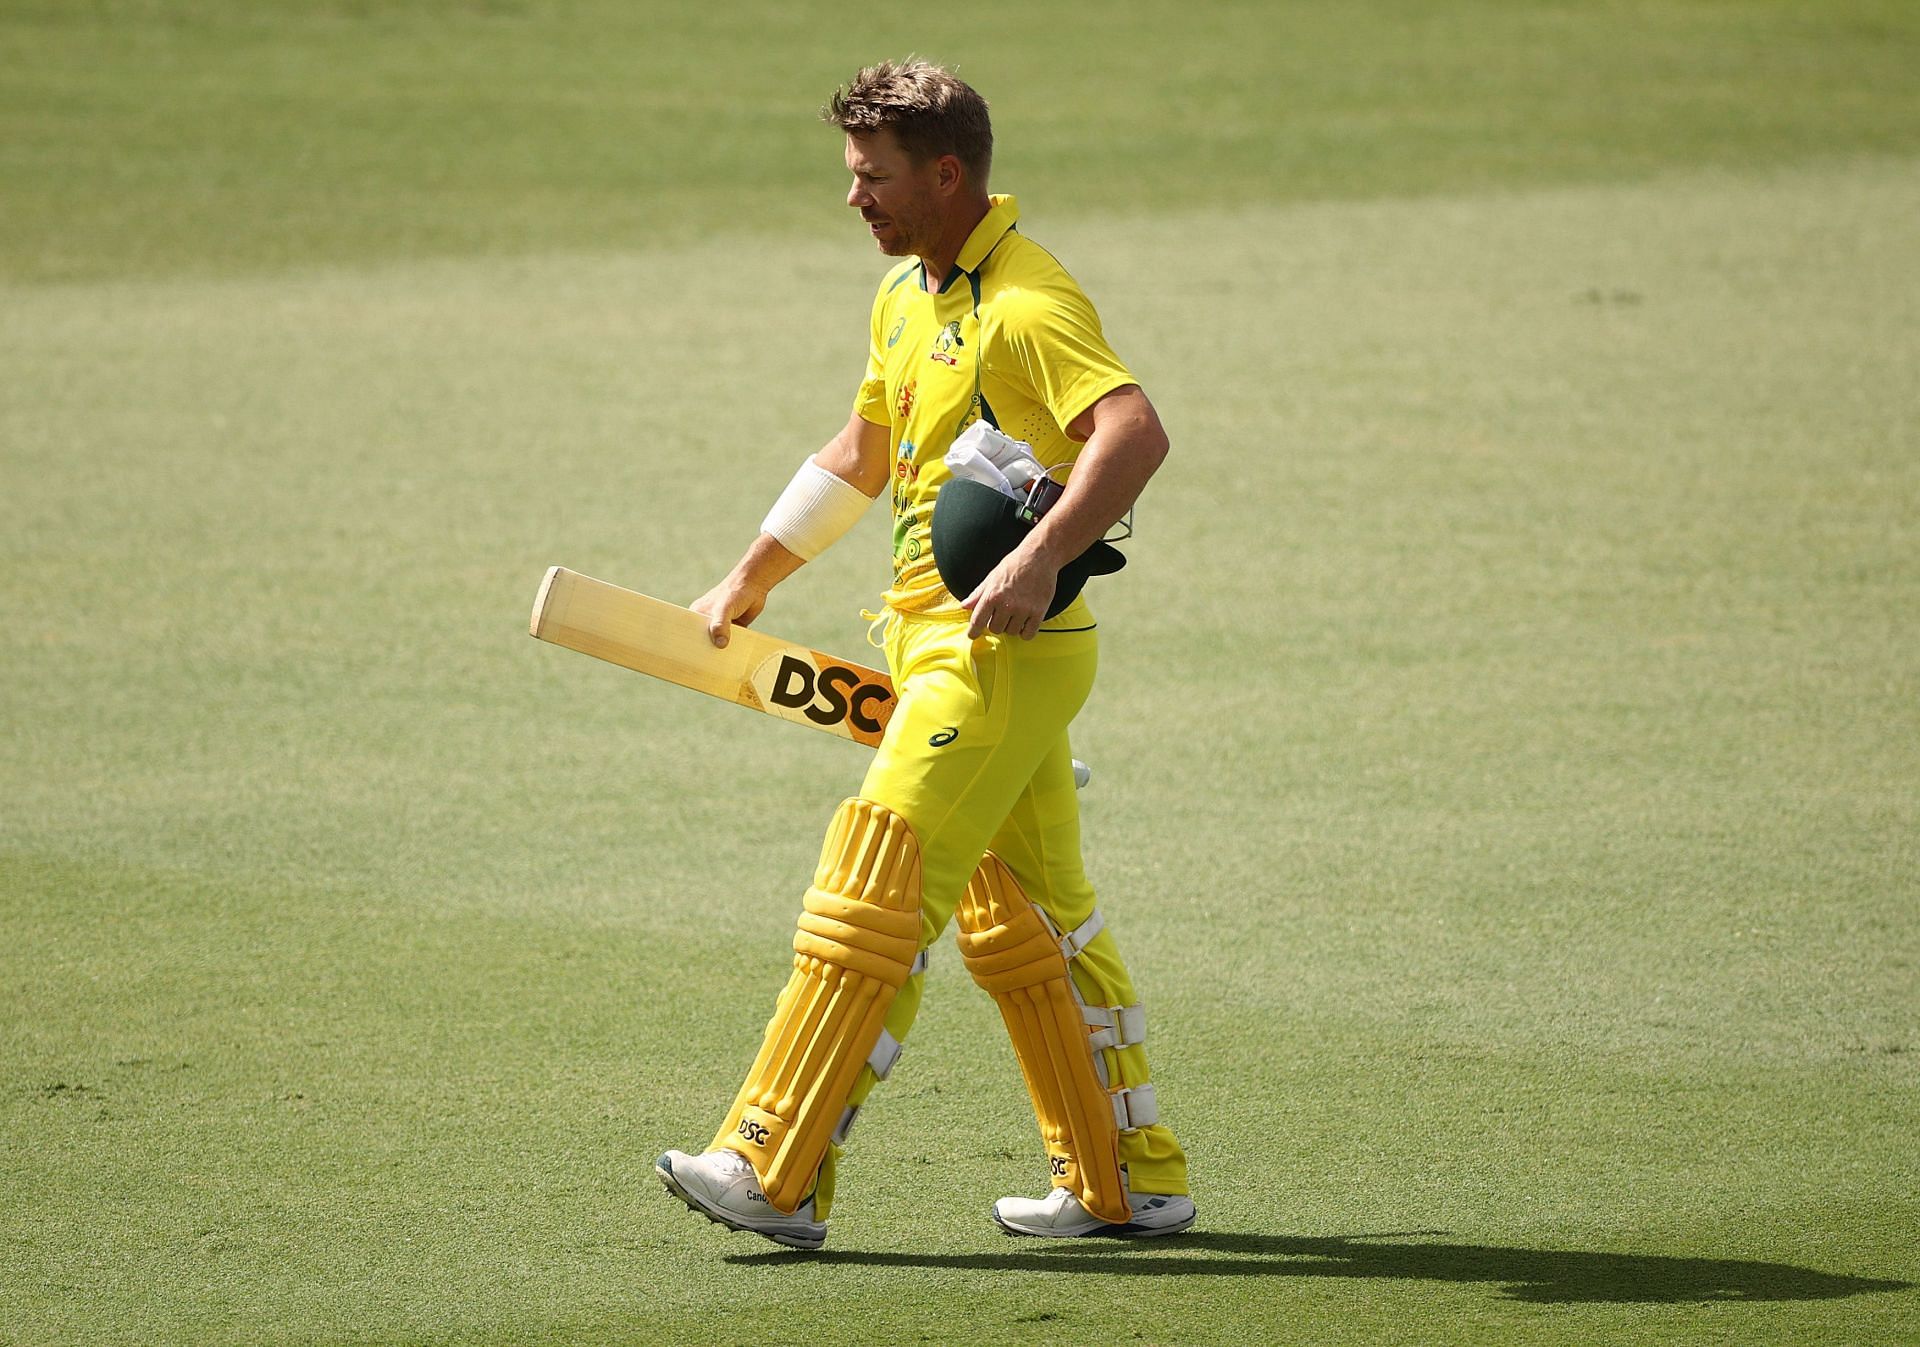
[[845, 1127], [1115, 1026], [1134, 1108], [1082, 935], [885, 1053]]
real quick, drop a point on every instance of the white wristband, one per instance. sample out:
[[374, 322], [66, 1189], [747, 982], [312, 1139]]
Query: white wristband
[[814, 511]]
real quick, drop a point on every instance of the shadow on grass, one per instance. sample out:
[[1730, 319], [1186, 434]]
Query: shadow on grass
[[1543, 1276]]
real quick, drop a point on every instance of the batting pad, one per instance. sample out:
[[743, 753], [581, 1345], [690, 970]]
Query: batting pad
[[1016, 957], [859, 932]]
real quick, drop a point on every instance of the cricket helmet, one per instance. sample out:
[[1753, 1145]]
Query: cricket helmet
[[975, 527]]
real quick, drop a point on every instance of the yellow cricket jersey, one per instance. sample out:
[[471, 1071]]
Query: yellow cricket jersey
[[1008, 336]]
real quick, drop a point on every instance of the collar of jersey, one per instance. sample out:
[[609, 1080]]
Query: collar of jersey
[[1003, 212]]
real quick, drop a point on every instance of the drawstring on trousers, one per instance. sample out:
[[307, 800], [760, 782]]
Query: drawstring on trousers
[[881, 622]]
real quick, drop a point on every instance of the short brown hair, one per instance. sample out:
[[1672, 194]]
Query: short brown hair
[[930, 111]]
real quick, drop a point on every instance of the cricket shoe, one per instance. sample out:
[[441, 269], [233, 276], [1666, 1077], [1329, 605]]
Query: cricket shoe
[[1059, 1215], [722, 1187]]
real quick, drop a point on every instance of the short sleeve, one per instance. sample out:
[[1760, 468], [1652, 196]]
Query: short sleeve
[[870, 400], [1055, 339]]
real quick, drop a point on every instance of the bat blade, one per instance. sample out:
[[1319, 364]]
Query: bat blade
[[792, 682]]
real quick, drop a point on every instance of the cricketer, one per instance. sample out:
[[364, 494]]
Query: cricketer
[[968, 811]]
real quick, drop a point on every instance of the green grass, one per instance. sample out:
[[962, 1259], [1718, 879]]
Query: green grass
[[1507, 750], [139, 137]]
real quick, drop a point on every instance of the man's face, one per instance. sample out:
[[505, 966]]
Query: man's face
[[898, 198]]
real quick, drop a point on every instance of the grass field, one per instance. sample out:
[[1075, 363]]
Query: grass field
[[1507, 748]]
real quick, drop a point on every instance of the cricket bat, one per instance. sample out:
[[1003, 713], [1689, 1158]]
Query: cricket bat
[[792, 682]]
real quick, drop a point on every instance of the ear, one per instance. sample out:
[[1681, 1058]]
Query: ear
[[949, 174]]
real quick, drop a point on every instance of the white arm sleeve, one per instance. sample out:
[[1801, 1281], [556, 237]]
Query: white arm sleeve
[[814, 511]]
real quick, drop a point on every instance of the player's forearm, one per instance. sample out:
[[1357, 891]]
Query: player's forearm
[[765, 564], [1119, 459], [829, 493], [767, 560]]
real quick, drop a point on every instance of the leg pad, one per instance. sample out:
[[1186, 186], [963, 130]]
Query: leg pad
[[1016, 957], [858, 936]]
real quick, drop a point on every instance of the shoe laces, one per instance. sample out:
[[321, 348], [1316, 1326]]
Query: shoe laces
[[728, 1162]]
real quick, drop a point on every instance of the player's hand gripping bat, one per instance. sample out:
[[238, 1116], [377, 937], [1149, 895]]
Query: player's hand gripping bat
[[793, 682], [790, 681]]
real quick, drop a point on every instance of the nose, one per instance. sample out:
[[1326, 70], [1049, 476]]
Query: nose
[[858, 197]]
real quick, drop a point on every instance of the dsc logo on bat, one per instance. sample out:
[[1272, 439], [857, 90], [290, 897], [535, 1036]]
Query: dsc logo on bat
[[828, 694]]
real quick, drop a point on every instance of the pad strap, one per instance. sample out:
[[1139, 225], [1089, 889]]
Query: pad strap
[[845, 1128], [1082, 935], [1134, 1108], [885, 1053], [1115, 1026]]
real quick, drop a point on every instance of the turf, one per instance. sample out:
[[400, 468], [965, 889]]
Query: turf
[[1506, 750], [143, 137]]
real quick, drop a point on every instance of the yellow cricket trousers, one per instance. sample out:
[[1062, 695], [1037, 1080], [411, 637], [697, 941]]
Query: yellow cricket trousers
[[976, 758]]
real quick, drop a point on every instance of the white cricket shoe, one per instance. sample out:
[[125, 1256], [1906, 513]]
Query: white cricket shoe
[[722, 1187], [1059, 1215]]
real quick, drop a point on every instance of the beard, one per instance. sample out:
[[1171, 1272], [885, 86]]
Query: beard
[[903, 233]]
